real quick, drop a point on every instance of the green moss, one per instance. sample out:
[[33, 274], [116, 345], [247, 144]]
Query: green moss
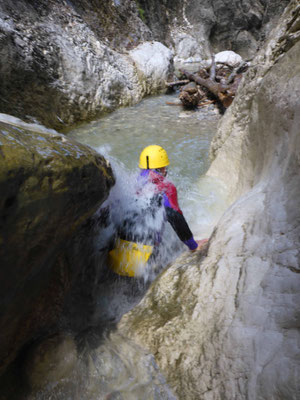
[[141, 11]]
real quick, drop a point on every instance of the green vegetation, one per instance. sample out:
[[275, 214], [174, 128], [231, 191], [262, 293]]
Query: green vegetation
[[141, 11]]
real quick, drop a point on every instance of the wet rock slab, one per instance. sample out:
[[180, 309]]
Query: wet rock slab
[[50, 186]]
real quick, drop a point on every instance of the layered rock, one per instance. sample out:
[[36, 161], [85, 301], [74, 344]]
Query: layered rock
[[223, 340], [227, 325], [195, 28], [230, 150], [49, 186], [59, 67], [69, 61]]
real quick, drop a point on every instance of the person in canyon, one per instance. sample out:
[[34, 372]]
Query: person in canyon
[[139, 240]]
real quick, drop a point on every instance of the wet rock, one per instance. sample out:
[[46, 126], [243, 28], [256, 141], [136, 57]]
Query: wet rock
[[50, 362], [50, 186], [226, 326], [110, 367], [126, 371]]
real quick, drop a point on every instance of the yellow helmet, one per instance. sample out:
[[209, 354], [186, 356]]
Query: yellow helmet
[[153, 157]]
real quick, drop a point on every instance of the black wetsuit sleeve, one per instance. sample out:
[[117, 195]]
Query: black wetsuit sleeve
[[104, 217], [179, 224]]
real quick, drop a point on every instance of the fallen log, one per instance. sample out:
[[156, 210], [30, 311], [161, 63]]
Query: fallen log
[[172, 103], [214, 81], [242, 67], [206, 103], [219, 90], [177, 83]]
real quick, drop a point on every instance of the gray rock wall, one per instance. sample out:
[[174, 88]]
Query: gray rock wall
[[56, 69], [230, 149], [194, 28], [226, 326], [61, 61], [68, 61]]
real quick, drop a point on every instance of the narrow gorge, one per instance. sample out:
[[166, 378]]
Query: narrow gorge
[[222, 323]]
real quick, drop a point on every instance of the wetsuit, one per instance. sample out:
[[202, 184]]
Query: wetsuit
[[168, 192], [139, 234]]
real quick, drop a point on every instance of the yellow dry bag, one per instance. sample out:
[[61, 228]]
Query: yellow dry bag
[[129, 258]]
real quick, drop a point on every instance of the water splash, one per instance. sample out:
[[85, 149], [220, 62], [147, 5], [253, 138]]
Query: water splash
[[120, 137], [133, 211]]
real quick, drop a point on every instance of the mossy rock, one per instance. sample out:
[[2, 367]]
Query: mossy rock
[[50, 185]]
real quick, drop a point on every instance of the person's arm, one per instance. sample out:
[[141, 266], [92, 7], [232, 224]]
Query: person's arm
[[181, 228], [176, 218]]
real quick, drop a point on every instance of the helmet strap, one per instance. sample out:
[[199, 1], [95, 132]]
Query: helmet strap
[[147, 160]]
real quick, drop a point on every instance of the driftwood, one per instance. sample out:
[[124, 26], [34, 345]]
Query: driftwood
[[177, 83], [219, 90], [190, 95], [219, 82], [205, 103], [172, 103], [242, 67]]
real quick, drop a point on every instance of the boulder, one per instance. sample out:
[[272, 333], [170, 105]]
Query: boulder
[[50, 185], [228, 57], [154, 63], [60, 74], [227, 326]]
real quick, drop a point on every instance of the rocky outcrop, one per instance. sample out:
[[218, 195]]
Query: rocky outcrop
[[50, 186], [69, 61], [59, 67], [226, 326], [194, 28], [230, 150]]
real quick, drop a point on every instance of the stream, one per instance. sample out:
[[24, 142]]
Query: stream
[[185, 135], [103, 364]]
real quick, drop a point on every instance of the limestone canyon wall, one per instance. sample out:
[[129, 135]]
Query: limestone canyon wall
[[226, 326], [194, 28], [60, 62], [59, 65], [67, 61]]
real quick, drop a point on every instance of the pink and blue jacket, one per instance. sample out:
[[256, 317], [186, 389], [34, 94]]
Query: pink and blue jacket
[[174, 214]]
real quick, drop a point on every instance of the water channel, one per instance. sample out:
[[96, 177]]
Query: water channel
[[108, 366], [186, 136]]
